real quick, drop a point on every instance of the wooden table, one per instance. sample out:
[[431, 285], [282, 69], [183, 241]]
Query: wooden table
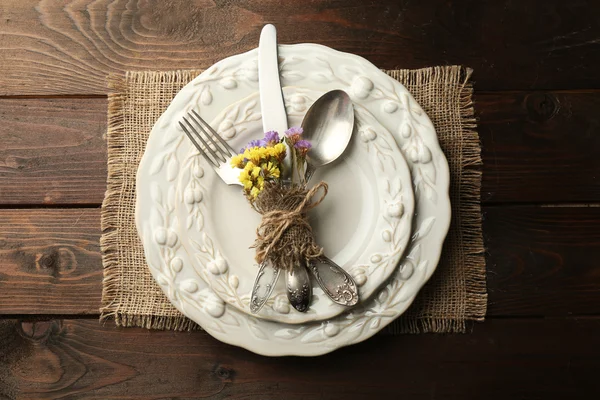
[[537, 80]]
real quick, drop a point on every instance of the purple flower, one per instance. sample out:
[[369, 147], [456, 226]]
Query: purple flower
[[272, 137], [303, 144], [294, 131], [254, 143]]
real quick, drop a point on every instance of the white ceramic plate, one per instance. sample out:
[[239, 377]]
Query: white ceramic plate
[[363, 223], [318, 68]]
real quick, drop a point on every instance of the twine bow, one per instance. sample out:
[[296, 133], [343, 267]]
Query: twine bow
[[284, 234]]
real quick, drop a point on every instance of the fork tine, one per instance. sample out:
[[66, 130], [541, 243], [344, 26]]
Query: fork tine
[[197, 145], [230, 149], [220, 154], [216, 160]]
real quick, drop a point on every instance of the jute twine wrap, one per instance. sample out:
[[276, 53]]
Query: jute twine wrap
[[455, 294], [284, 235]]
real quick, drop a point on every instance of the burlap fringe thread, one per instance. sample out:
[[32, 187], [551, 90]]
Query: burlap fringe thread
[[109, 222], [470, 209]]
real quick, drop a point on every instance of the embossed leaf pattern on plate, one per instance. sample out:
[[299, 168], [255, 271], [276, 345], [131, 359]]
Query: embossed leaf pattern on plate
[[234, 79]]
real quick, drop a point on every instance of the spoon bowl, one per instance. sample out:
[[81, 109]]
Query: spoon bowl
[[328, 126]]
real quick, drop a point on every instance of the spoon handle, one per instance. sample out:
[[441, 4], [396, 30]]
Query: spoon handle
[[299, 289], [263, 286], [335, 282]]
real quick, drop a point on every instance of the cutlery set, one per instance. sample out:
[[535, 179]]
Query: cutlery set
[[328, 124], [378, 231]]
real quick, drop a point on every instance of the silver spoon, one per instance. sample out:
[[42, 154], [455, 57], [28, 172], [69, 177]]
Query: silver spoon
[[299, 288], [328, 125]]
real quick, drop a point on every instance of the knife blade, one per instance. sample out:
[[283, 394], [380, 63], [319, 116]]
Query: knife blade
[[274, 117]]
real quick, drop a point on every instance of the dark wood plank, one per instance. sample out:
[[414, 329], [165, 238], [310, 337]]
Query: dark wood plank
[[540, 146], [541, 261], [50, 261], [533, 144], [52, 151], [501, 359], [49, 47]]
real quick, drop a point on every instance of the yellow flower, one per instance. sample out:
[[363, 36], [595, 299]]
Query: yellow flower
[[260, 182], [254, 192], [270, 170], [255, 154], [243, 175], [279, 151], [245, 180], [237, 161], [256, 172]]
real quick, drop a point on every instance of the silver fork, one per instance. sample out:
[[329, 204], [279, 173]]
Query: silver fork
[[219, 156], [218, 153]]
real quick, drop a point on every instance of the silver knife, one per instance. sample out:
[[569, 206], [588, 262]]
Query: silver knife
[[274, 118]]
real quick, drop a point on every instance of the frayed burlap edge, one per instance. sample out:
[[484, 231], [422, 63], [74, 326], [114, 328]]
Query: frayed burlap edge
[[470, 224], [108, 221], [111, 308], [470, 210]]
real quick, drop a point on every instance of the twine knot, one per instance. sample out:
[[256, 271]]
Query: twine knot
[[284, 235]]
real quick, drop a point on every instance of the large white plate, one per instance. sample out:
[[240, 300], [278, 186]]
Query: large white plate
[[318, 68], [363, 223]]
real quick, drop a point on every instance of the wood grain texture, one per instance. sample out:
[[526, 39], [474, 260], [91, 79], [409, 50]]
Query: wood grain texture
[[540, 146], [52, 151], [533, 143], [81, 359], [541, 261], [50, 261], [68, 47]]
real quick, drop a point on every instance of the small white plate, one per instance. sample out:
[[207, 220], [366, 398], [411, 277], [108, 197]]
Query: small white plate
[[312, 67], [363, 223]]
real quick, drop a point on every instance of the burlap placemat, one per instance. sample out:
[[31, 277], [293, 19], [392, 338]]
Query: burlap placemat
[[455, 294]]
